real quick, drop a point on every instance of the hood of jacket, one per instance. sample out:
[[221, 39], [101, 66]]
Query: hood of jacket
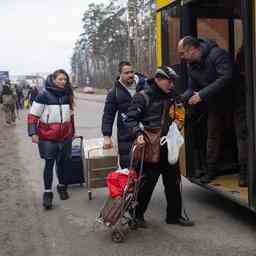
[[50, 86]]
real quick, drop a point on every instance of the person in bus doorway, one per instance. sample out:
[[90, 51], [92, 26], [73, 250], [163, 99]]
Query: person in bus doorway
[[51, 126], [240, 118], [210, 72], [118, 101], [151, 110]]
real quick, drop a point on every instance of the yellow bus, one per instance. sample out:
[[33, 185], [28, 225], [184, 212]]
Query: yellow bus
[[230, 23]]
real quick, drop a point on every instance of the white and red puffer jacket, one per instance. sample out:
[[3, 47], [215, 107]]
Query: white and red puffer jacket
[[50, 116]]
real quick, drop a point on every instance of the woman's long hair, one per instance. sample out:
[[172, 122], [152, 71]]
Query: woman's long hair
[[68, 85]]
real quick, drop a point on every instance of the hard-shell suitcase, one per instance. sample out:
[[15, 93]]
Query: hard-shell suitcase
[[73, 167]]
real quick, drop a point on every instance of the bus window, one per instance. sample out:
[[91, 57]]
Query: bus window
[[238, 34], [216, 30], [171, 37], [174, 37]]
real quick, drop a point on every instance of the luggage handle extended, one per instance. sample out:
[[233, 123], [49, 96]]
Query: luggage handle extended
[[137, 147], [81, 138]]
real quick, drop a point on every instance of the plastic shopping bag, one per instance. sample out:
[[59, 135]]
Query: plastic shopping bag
[[174, 140], [26, 104]]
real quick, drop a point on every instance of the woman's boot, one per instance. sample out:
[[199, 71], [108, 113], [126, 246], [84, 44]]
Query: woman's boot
[[47, 200], [62, 190], [243, 176]]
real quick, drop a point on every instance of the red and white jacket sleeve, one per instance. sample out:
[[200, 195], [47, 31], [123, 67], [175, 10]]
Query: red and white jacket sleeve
[[72, 116], [34, 115]]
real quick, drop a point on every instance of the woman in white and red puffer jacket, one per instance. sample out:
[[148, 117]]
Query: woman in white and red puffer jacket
[[51, 126]]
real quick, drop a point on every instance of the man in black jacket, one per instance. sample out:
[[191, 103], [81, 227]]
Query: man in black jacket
[[118, 101], [210, 71], [146, 110]]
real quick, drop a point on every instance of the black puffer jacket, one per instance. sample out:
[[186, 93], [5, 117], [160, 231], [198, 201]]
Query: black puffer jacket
[[212, 76], [149, 111], [118, 100]]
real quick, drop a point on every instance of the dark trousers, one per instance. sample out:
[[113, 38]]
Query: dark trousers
[[124, 150], [240, 121], [171, 182], [48, 172], [215, 124]]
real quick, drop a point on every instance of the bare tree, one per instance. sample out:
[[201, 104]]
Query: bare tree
[[112, 33]]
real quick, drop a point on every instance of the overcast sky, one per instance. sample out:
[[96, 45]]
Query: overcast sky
[[39, 35]]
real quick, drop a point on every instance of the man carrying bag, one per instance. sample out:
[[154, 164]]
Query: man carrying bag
[[148, 119]]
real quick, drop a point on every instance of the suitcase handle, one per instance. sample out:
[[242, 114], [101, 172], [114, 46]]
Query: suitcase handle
[[81, 141], [77, 137], [98, 148]]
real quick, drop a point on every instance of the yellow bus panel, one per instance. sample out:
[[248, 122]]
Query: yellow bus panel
[[162, 3], [158, 40]]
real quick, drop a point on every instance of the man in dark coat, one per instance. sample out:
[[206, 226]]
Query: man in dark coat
[[210, 71], [118, 101], [148, 109]]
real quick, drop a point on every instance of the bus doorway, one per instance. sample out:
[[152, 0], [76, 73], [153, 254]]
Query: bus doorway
[[223, 22]]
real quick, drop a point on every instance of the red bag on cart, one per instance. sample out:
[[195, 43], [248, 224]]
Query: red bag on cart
[[117, 181]]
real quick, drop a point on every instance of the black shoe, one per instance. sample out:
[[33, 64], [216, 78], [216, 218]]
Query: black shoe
[[243, 176], [141, 223], [181, 221], [199, 173], [63, 193], [208, 177], [243, 181], [47, 200]]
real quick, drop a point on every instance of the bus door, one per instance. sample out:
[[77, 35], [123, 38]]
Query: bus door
[[224, 22]]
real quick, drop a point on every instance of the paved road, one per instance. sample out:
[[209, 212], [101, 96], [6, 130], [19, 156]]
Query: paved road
[[222, 227]]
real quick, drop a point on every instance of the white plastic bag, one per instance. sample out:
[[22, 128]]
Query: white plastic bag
[[174, 140]]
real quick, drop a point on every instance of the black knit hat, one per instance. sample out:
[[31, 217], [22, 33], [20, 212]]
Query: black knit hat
[[166, 72]]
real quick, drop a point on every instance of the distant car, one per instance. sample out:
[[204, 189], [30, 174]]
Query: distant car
[[88, 90]]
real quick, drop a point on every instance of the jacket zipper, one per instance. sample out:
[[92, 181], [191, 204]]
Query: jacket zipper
[[61, 117]]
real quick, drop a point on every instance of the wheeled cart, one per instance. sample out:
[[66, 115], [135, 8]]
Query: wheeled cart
[[98, 162], [119, 212]]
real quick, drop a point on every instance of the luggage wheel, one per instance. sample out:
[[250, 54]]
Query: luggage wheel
[[90, 195], [117, 236]]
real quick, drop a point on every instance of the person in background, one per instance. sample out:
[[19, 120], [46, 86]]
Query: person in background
[[117, 101], [32, 94], [20, 97], [9, 104], [51, 126]]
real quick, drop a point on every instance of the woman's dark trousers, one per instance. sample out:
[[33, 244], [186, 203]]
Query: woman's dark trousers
[[48, 172]]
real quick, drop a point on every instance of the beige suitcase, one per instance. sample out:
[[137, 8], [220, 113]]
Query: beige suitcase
[[98, 162]]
